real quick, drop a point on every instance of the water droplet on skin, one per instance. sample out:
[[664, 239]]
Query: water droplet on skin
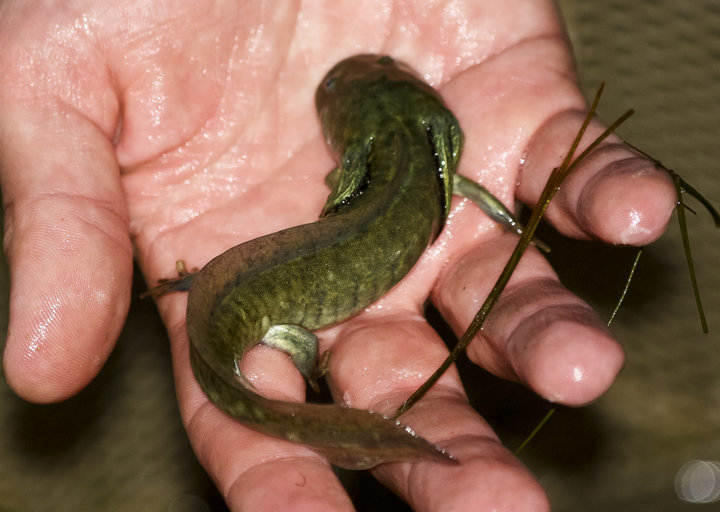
[[578, 374], [634, 228]]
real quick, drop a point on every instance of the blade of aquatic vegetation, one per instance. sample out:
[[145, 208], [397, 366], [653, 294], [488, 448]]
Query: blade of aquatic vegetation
[[557, 176], [680, 209], [537, 429], [626, 287], [682, 187]]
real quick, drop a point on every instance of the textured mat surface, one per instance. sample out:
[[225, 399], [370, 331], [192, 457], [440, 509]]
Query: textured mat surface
[[119, 445]]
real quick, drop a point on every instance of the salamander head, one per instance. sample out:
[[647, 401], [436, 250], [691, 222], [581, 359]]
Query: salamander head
[[360, 93]]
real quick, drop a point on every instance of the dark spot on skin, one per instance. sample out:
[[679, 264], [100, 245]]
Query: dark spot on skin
[[385, 60]]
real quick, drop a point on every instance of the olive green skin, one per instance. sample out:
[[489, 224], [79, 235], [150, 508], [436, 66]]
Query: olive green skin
[[397, 147]]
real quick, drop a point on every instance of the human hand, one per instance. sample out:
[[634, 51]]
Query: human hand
[[190, 129]]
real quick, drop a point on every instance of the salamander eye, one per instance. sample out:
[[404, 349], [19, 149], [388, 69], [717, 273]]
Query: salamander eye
[[385, 60], [330, 83]]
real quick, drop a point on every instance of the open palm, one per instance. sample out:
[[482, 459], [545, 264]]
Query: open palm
[[176, 129]]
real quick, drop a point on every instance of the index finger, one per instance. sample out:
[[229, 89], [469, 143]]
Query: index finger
[[615, 195]]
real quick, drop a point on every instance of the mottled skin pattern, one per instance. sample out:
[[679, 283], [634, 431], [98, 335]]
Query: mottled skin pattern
[[397, 147]]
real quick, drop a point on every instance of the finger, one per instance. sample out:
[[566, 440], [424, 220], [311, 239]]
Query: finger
[[251, 470], [615, 195], [66, 236], [538, 332], [488, 478], [377, 362]]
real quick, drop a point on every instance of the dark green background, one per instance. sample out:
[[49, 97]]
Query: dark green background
[[119, 445]]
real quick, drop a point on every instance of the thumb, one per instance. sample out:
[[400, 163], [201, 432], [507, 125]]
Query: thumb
[[66, 240]]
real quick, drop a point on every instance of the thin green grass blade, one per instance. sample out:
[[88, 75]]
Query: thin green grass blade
[[686, 187], [537, 429], [627, 286], [681, 187], [680, 209]]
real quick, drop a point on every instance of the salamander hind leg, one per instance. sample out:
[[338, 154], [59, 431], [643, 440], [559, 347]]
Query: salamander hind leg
[[181, 283], [300, 345]]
